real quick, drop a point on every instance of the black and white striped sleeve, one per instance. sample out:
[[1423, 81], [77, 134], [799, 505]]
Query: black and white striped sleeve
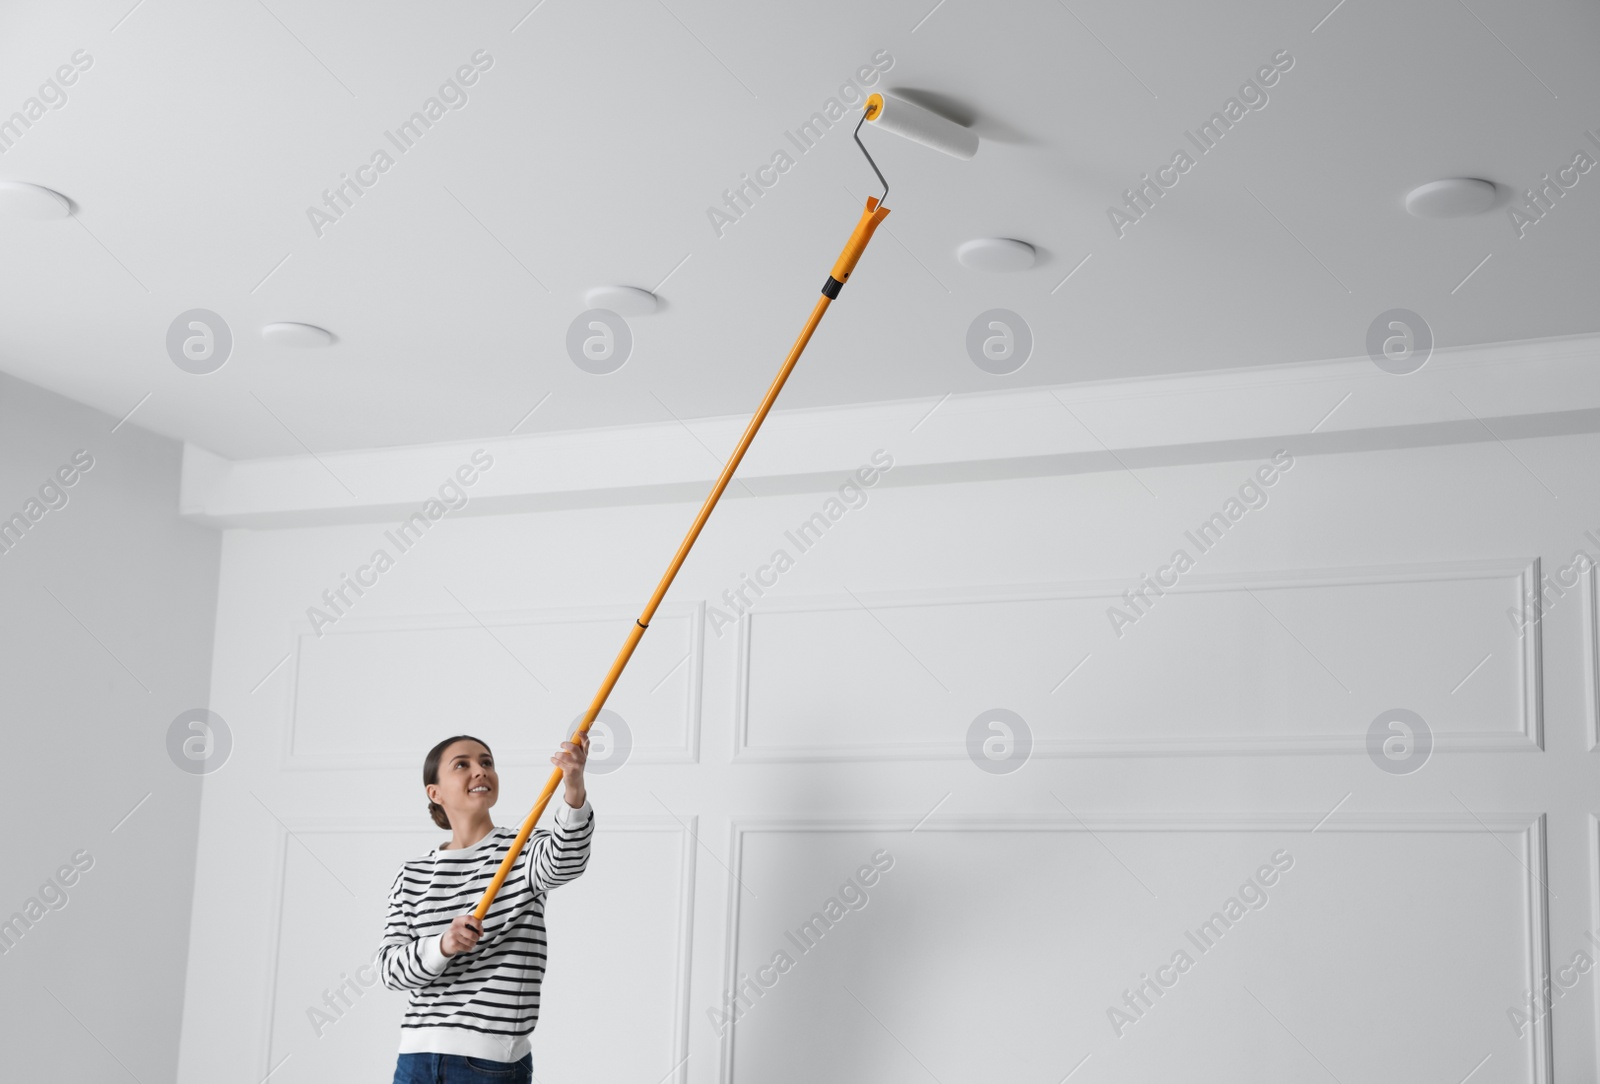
[[407, 962], [559, 856]]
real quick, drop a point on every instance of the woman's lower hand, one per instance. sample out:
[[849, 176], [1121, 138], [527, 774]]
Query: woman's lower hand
[[462, 935]]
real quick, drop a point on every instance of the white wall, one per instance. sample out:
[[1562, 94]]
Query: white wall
[[108, 602], [1224, 726]]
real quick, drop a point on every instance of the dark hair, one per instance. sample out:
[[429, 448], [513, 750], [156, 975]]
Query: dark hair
[[430, 773]]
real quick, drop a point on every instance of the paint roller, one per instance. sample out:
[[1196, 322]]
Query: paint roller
[[911, 121], [889, 114]]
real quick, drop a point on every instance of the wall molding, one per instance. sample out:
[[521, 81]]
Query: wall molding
[[1591, 664], [1528, 736], [302, 637], [1530, 828]]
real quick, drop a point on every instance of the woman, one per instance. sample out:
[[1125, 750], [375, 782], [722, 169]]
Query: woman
[[475, 988]]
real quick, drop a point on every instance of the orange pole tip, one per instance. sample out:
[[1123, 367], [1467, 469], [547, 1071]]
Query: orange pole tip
[[874, 214]]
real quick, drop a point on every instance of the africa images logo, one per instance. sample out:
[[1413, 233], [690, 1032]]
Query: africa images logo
[[1139, 200], [739, 199], [1252, 494]]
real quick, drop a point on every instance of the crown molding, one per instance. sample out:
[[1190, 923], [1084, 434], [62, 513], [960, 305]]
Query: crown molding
[[1505, 391]]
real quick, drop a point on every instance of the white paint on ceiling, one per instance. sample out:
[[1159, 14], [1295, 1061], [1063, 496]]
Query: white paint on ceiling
[[589, 152]]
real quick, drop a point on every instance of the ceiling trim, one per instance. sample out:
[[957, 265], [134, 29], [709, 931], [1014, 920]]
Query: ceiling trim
[[1508, 391]]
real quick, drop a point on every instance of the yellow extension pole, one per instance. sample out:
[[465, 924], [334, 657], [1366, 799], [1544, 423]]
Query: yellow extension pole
[[870, 218]]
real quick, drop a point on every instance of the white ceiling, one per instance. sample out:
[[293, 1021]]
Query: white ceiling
[[589, 153]]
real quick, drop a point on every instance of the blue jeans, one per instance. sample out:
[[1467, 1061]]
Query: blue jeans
[[454, 1069]]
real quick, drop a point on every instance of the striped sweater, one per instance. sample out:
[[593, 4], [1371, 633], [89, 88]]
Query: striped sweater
[[483, 1003]]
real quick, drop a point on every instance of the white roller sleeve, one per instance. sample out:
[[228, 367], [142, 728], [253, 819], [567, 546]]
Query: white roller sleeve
[[915, 123]]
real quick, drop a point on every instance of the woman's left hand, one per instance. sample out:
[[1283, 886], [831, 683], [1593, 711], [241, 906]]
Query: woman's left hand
[[570, 760]]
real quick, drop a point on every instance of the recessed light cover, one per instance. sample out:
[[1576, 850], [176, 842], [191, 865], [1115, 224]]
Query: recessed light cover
[[996, 254], [18, 199], [622, 300], [299, 335], [1453, 197]]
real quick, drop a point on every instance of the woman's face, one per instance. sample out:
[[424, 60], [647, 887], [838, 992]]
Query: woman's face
[[467, 779]]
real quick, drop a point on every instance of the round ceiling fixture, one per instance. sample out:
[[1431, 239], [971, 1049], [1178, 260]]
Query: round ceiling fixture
[[19, 199], [1453, 197], [622, 300], [299, 335], [996, 254]]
